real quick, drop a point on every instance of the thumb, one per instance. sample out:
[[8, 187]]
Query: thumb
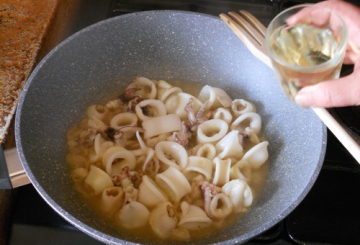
[[334, 93]]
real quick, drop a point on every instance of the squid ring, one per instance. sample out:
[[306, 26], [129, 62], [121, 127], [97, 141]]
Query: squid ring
[[147, 87], [257, 155], [240, 106], [149, 193], [222, 171], [117, 157], [206, 150], [97, 111], [223, 114], [193, 217], [170, 92], [220, 206], [239, 193], [156, 106], [255, 122], [216, 97], [211, 131], [161, 125], [98, 180], [123, 119], [112, 198], [199, 165], [134, 215], [176, 104], [174, 183], [172, 154], [229, 146]]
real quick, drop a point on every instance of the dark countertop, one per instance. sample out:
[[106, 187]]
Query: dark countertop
[[7, 203]]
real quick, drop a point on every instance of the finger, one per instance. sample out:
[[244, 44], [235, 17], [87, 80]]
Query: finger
[[315, 15], [350, 56], [348, 11], [335, 93], [352, 53], [350, 14], [312, 15]]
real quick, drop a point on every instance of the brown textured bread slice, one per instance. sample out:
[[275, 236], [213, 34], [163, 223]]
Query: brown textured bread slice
[[23, 26]]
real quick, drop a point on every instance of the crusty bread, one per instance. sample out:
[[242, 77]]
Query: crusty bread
[[23, 26]]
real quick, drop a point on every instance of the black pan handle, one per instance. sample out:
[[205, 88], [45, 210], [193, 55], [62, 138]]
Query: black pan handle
[[12, 174]]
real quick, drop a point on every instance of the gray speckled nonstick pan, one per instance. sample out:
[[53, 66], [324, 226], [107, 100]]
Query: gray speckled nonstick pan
[[170, 45]]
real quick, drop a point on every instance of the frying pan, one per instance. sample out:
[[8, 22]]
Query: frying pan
[[175, 46]]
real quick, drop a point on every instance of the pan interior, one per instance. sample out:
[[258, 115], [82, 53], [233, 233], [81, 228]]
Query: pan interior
[[174, 46]]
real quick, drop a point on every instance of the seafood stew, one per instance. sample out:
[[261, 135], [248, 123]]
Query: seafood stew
[[178, 164]]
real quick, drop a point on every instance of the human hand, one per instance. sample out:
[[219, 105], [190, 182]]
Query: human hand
[[346, 90]]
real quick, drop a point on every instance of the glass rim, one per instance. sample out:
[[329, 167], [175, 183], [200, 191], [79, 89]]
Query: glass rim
[[342, 44]]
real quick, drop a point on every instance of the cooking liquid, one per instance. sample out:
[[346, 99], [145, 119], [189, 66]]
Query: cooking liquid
[[145, 233], [304, 55]]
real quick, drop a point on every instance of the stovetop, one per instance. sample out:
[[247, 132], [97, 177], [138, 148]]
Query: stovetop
[[328, 214]]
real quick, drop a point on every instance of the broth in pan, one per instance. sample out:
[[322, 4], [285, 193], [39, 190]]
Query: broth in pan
[[177, 164]]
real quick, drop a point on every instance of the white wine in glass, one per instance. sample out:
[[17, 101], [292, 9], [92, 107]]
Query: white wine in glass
[[305, 54]]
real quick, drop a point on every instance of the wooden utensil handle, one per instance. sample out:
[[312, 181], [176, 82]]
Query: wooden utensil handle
[[339, 132]]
